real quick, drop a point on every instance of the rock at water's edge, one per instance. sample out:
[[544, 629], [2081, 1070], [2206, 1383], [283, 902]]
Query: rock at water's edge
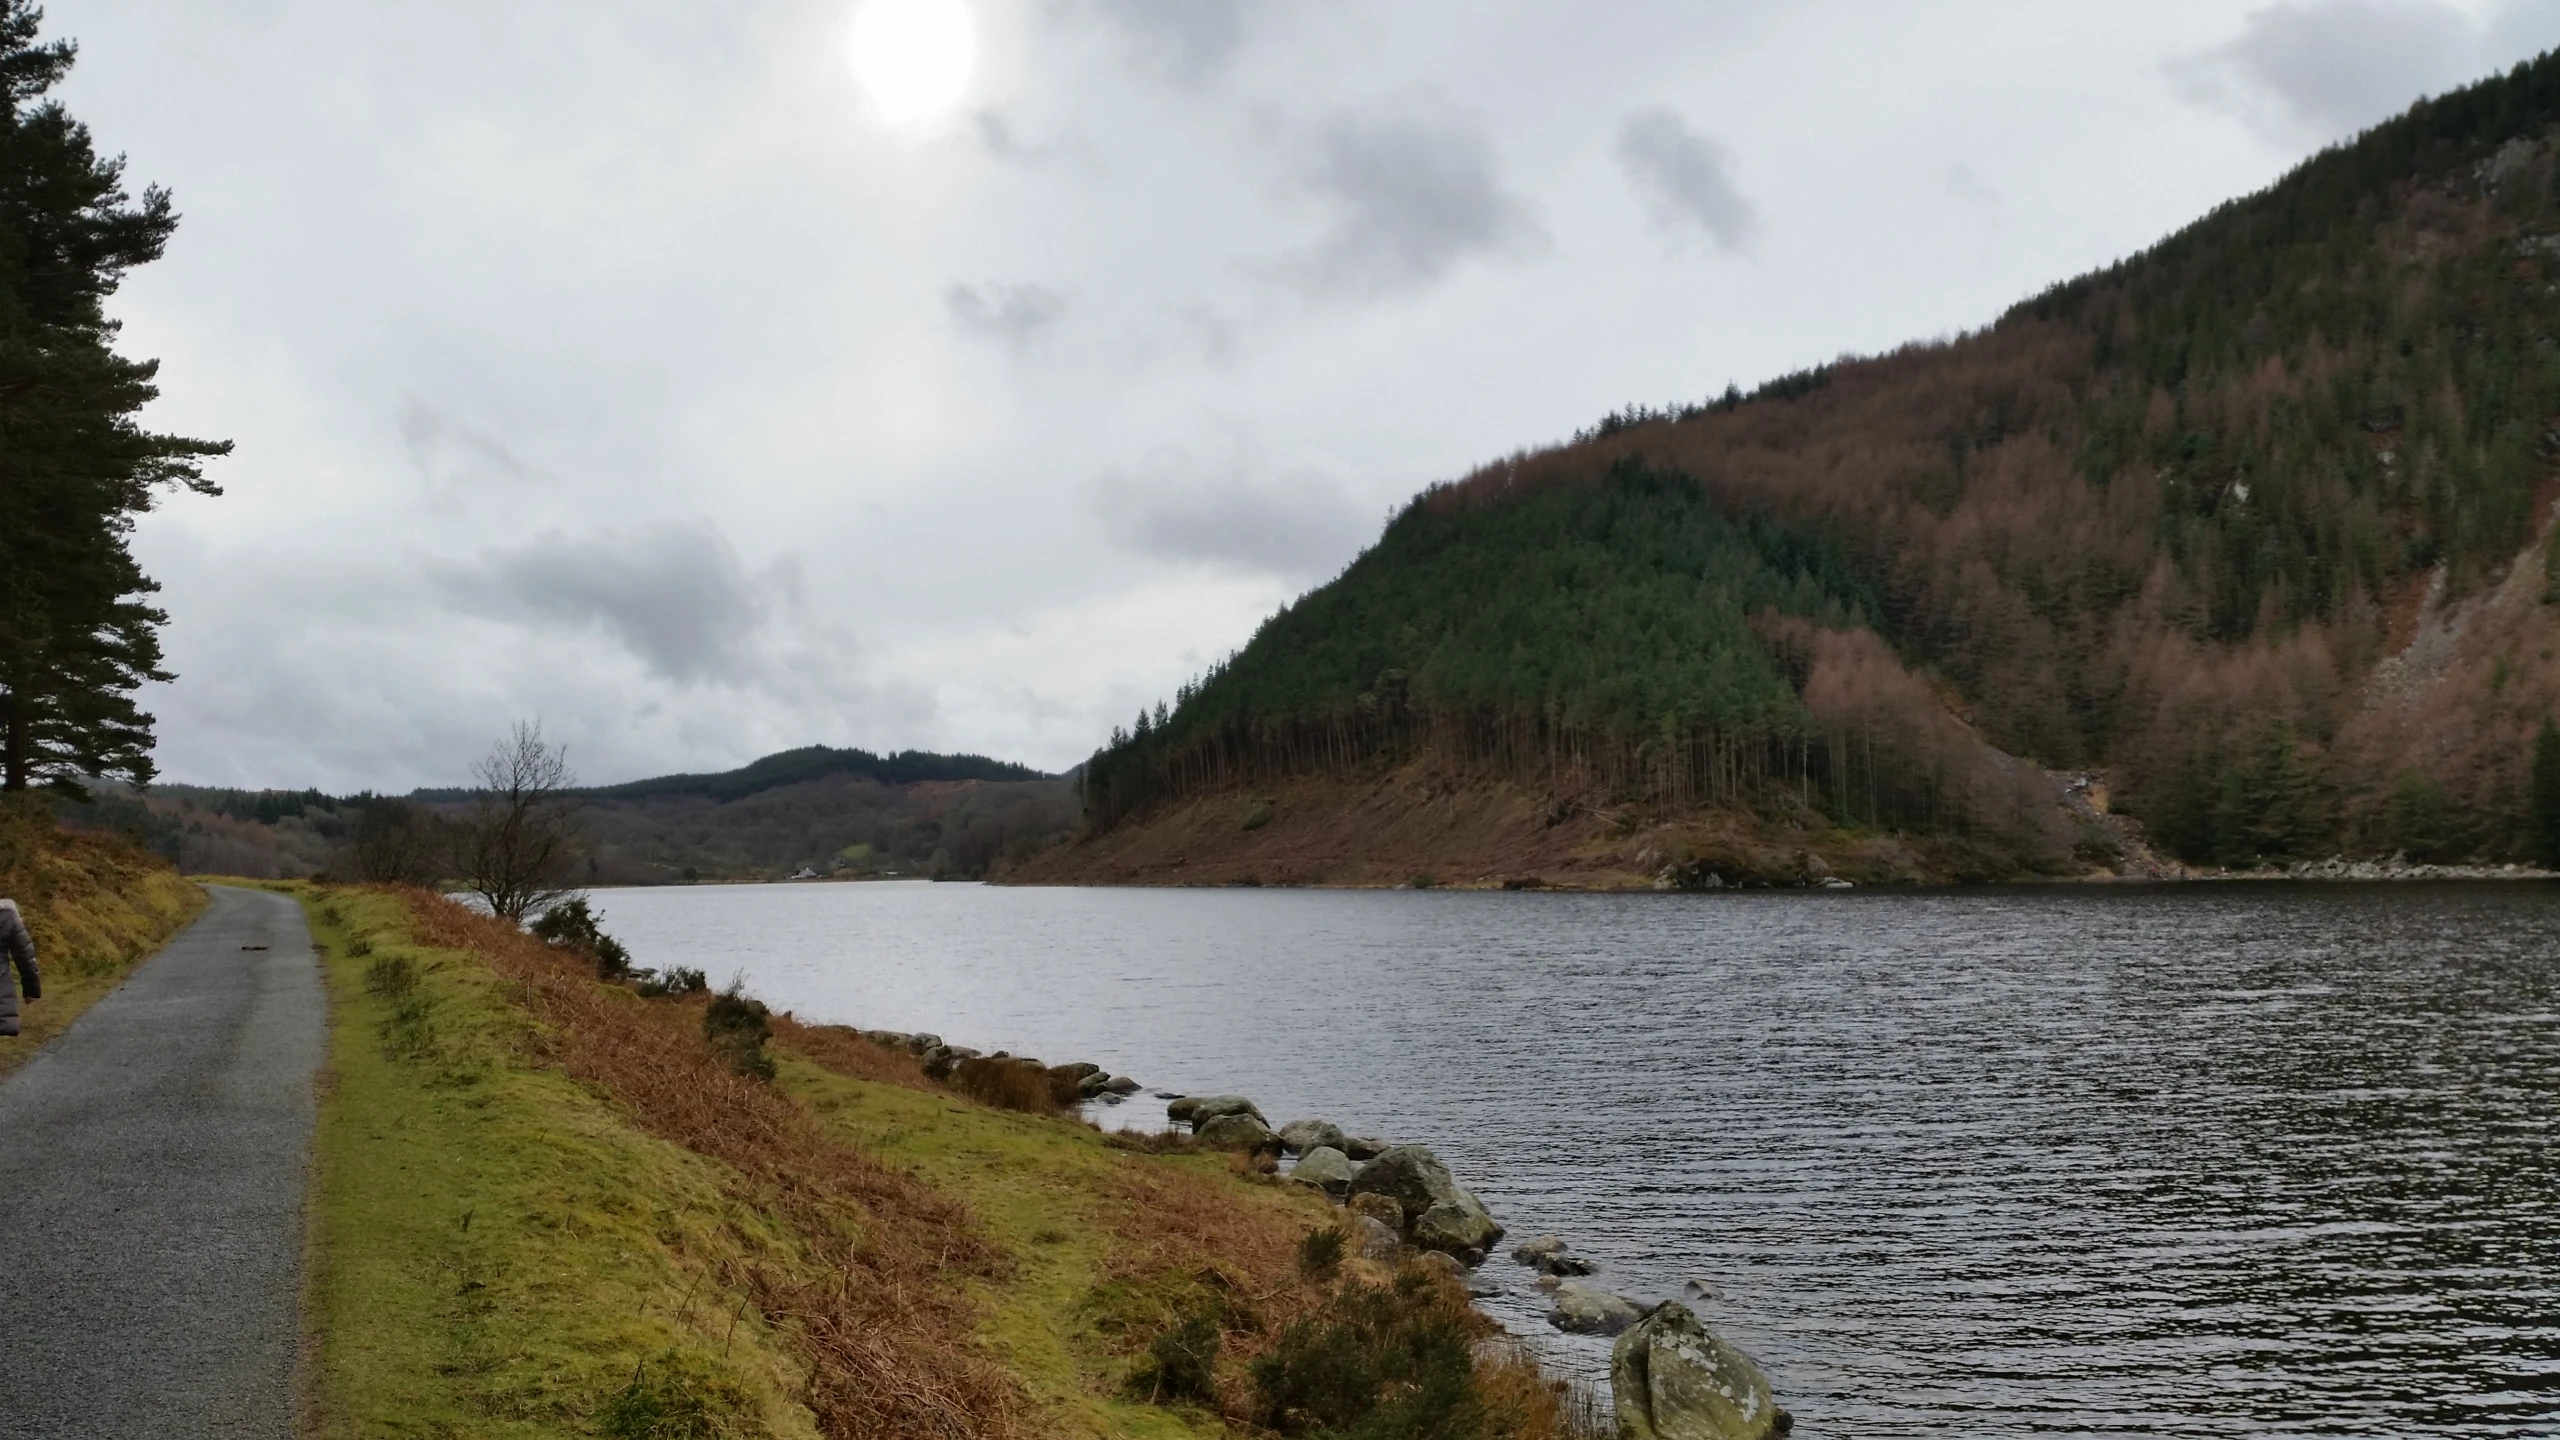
[[1676, 1380], [1198, 1110], [1300, 1136], [1364, 1147], [1324, 1167], [1548, 1254], [1589, 1310], [1457, 1226], [1237, 1132], [1415, 1179]]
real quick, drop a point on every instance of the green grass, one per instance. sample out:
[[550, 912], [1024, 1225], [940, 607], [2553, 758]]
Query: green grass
[[495, 1252], [1067, 1323], [498, 1252]]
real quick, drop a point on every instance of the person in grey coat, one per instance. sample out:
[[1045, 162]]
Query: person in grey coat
[[22, 955]]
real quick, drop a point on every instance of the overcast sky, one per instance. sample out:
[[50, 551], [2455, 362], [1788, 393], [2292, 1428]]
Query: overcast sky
[[704, 383]]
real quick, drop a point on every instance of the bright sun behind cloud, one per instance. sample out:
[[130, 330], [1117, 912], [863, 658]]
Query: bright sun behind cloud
[[914, 57]]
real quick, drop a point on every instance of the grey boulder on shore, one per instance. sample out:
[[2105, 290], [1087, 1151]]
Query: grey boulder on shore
[[1442, 1214], [1677, 1380], [1301, 1136], [1324, 1167], [1589, 1310], [1237, 1132], [1198, 1110], [1372, 1240]]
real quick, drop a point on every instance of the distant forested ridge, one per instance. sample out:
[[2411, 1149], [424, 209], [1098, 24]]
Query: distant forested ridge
[[834, 812], [791, 767], [2256, 525]]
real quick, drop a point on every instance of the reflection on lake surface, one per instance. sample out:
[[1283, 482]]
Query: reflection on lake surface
[[2170, 1162]]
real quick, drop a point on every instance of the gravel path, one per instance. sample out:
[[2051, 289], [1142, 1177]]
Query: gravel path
[[152, 1167]]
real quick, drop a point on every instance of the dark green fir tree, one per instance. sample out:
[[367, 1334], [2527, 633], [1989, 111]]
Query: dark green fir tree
[[77, 632]]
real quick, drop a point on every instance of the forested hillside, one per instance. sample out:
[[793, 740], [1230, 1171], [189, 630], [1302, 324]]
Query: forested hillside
[[2256, 525]]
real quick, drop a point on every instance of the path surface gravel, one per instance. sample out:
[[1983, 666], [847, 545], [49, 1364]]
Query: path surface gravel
[[152, 1169]]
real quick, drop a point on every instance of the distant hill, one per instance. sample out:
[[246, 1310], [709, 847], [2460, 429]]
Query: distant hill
[[2252, 530], [818, 808], [815, 762]]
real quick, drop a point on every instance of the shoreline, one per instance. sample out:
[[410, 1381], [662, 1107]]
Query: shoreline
[[2320, 872]]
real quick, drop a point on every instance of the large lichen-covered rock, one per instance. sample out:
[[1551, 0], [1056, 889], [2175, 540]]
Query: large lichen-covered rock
[[1324, 1167], [1415, 1179], [1237, 1132], [1301, 1136], [1676, 1380], [1198, 1110]]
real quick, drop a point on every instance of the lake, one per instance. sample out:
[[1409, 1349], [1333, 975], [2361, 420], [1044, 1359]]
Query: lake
[[2091, 1162]]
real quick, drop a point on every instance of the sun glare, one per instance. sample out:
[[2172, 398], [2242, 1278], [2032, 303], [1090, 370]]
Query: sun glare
[[914, 57]]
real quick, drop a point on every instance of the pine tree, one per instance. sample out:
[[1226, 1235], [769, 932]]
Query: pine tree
[[2544, 807], [77, 634]]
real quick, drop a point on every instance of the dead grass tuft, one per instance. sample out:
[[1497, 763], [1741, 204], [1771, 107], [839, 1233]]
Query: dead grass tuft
[[1015, 1085], [877, 1303], [1151, 1142]]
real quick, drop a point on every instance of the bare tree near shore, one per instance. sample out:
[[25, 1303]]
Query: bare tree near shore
[[520, 846]]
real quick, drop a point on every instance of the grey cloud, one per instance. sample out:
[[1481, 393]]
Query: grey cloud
[[1687, 176], [2328, 69], [450, 452], [998, 138], [675, 595], [1014, 314], [1414, 192], [1300, 523], [1186, 39]]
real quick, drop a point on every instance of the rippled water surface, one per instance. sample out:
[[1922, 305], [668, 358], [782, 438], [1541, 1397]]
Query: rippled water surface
[[2173, 1162]]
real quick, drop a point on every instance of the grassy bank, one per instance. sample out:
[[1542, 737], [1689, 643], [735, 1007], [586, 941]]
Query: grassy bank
[[96, 907], [545, 1205]]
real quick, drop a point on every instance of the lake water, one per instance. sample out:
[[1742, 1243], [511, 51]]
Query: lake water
[[2199, 1161]]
